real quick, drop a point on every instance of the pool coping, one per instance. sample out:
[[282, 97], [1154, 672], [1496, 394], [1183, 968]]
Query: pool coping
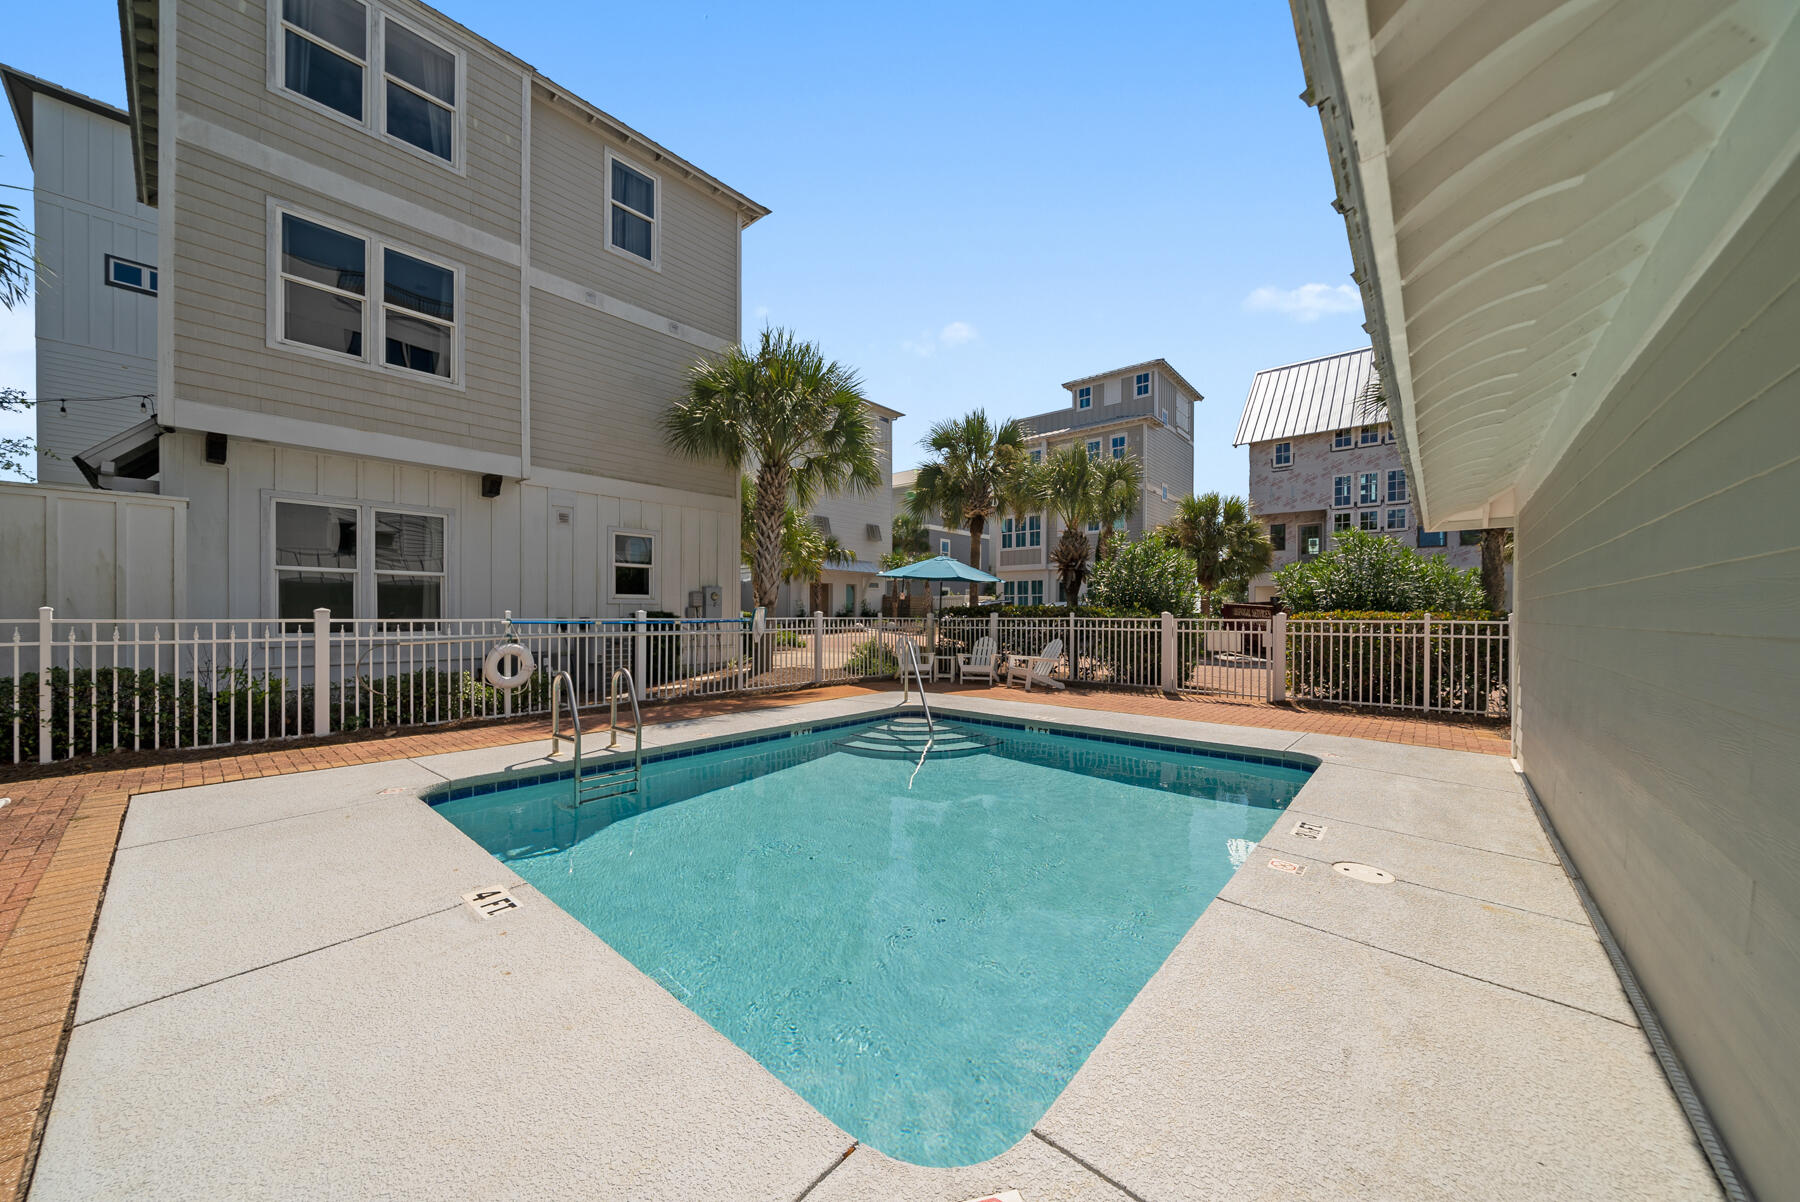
[[1092, 1141]]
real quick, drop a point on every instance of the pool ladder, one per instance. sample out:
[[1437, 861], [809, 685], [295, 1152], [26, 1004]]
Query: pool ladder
[[615, 782]]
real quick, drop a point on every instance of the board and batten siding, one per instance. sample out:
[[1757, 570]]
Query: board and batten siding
[[600, 386], [699, 235], [93, 340], [505, 553], [225, 82], [222, 357], [1659, 716], [90, 554]]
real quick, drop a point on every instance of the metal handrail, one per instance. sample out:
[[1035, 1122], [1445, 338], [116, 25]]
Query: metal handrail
[[557, 683], [637, 717], [910, 648]]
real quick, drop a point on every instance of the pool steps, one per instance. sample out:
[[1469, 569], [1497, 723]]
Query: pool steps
[[905, 738]]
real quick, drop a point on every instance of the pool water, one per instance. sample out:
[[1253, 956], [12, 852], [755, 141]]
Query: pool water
[[926, 965]]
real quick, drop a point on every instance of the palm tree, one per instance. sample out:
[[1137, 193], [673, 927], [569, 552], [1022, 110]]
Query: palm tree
[[910, 536], [787, 417], [1121, 483], [968, 476], [1227, 542], [1072, 486]]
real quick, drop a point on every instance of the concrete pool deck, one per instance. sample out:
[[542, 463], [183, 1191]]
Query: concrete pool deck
[[287, 997]]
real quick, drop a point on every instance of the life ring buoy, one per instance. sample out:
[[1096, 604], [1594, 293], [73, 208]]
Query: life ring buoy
[[524, 666]]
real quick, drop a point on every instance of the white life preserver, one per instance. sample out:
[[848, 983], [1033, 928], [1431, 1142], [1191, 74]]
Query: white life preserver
[[524, 667]]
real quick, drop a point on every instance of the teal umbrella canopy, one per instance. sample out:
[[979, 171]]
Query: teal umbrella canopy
[[942, 567]]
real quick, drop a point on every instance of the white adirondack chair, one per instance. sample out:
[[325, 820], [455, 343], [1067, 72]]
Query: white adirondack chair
[[979, 662], [1037, 667]]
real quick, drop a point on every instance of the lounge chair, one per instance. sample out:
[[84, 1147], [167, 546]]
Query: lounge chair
[[979, 662], [1036, 667]]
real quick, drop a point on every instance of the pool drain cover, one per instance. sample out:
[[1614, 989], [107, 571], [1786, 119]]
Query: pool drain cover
[[1368, 874]]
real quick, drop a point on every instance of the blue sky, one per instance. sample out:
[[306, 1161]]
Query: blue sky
[[971, 203]]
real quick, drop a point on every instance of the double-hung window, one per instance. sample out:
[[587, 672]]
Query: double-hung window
[[1278, 535], [1368, 488], [1396, 519], [324, 561], [322, 285], [1033, 535], [1340, 522], [418, 313], [1396, 483], [1140, 385], [633, 561], [1118, 446], [419, 91], [1284, 456], [631, 207], [1368, 519], [943, 546], [324, 52], [1006, 534], [1084, 397], [1340, 491], [1368, 436], [1093, 448], [130, 275], [1341, 441]]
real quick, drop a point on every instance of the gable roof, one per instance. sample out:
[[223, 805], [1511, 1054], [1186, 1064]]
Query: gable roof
[[1164, 364], [20, 86], [1309, 398]]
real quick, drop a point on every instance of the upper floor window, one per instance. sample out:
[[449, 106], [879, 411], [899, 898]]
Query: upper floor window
[[322, 286], [1140, 385], [1341, 440], [1387, 432], [1118, 446], [943, 546], [1468, 538], [1368, 436], [1396, 519], [1033, 534], [1006, 533], [1278, 535], [1084, 397], [130, 275], [1340, 491], [1368, 488], [1368, 519], [1037, 456], [420, 90], [1431, 538], [1284, 455], [1093, 448], [631, 201], [324, 51], [1396, 482]]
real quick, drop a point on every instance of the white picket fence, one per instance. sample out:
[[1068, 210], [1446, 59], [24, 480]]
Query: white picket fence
[[146, 685]]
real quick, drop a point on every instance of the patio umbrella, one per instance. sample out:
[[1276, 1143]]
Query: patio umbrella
[[941, 568]]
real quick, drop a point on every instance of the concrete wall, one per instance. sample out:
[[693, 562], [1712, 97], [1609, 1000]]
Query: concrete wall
[[92, 340], [90, 554], [1659, 718]]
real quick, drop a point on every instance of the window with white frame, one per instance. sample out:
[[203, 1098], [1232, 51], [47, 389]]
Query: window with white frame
[[1368, 519], [1368, 436], [631, 203], [1396, 482], [633, 562], [323, 280], [1140, 384], [1093, 526], [943, 546], [1368, 488], [1033, 534], [1340, 522], [1340, 491], [1396, 519], [1283, 457], [130, 275], [321, 562], [1387, 432], [1084, 397], [324, 51], [1093, 448], [323, 277], [1037, 592], [1341, 441], [1118, 446], [419, 90], [1006, 534]]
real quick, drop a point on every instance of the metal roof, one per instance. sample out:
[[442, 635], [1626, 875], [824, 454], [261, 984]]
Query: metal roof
[[1308, 398], [1179, 379]]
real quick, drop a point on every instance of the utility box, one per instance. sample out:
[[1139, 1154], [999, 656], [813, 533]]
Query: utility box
[[707, 602]]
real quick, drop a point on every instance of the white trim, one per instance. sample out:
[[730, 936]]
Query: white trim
[[1148, 382], [458, 161], [365, 573], [655, 565], [343, 440], [374, 301], [1350, 445], [276, 76], [593, 298], [1405, 512], [1089, 389], [1349, 491], [654, 493], [1275, 464], [149, 269], [654, 263], [1377, 488], [525, 276], [353, 192]]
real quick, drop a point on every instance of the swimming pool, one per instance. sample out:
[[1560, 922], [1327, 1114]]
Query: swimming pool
[[926, 965]]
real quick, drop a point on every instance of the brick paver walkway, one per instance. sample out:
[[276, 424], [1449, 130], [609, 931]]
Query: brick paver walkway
[[60, 824]]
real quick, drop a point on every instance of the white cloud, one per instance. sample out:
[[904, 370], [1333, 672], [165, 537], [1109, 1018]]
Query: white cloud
[[927, 344], [1308, 302]]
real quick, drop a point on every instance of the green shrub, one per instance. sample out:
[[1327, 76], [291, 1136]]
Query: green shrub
[[1366, 571], [788, 638], [872, 657], [1148, 575]]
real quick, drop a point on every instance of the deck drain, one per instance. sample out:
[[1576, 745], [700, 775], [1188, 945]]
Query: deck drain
[[1368, 874]]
